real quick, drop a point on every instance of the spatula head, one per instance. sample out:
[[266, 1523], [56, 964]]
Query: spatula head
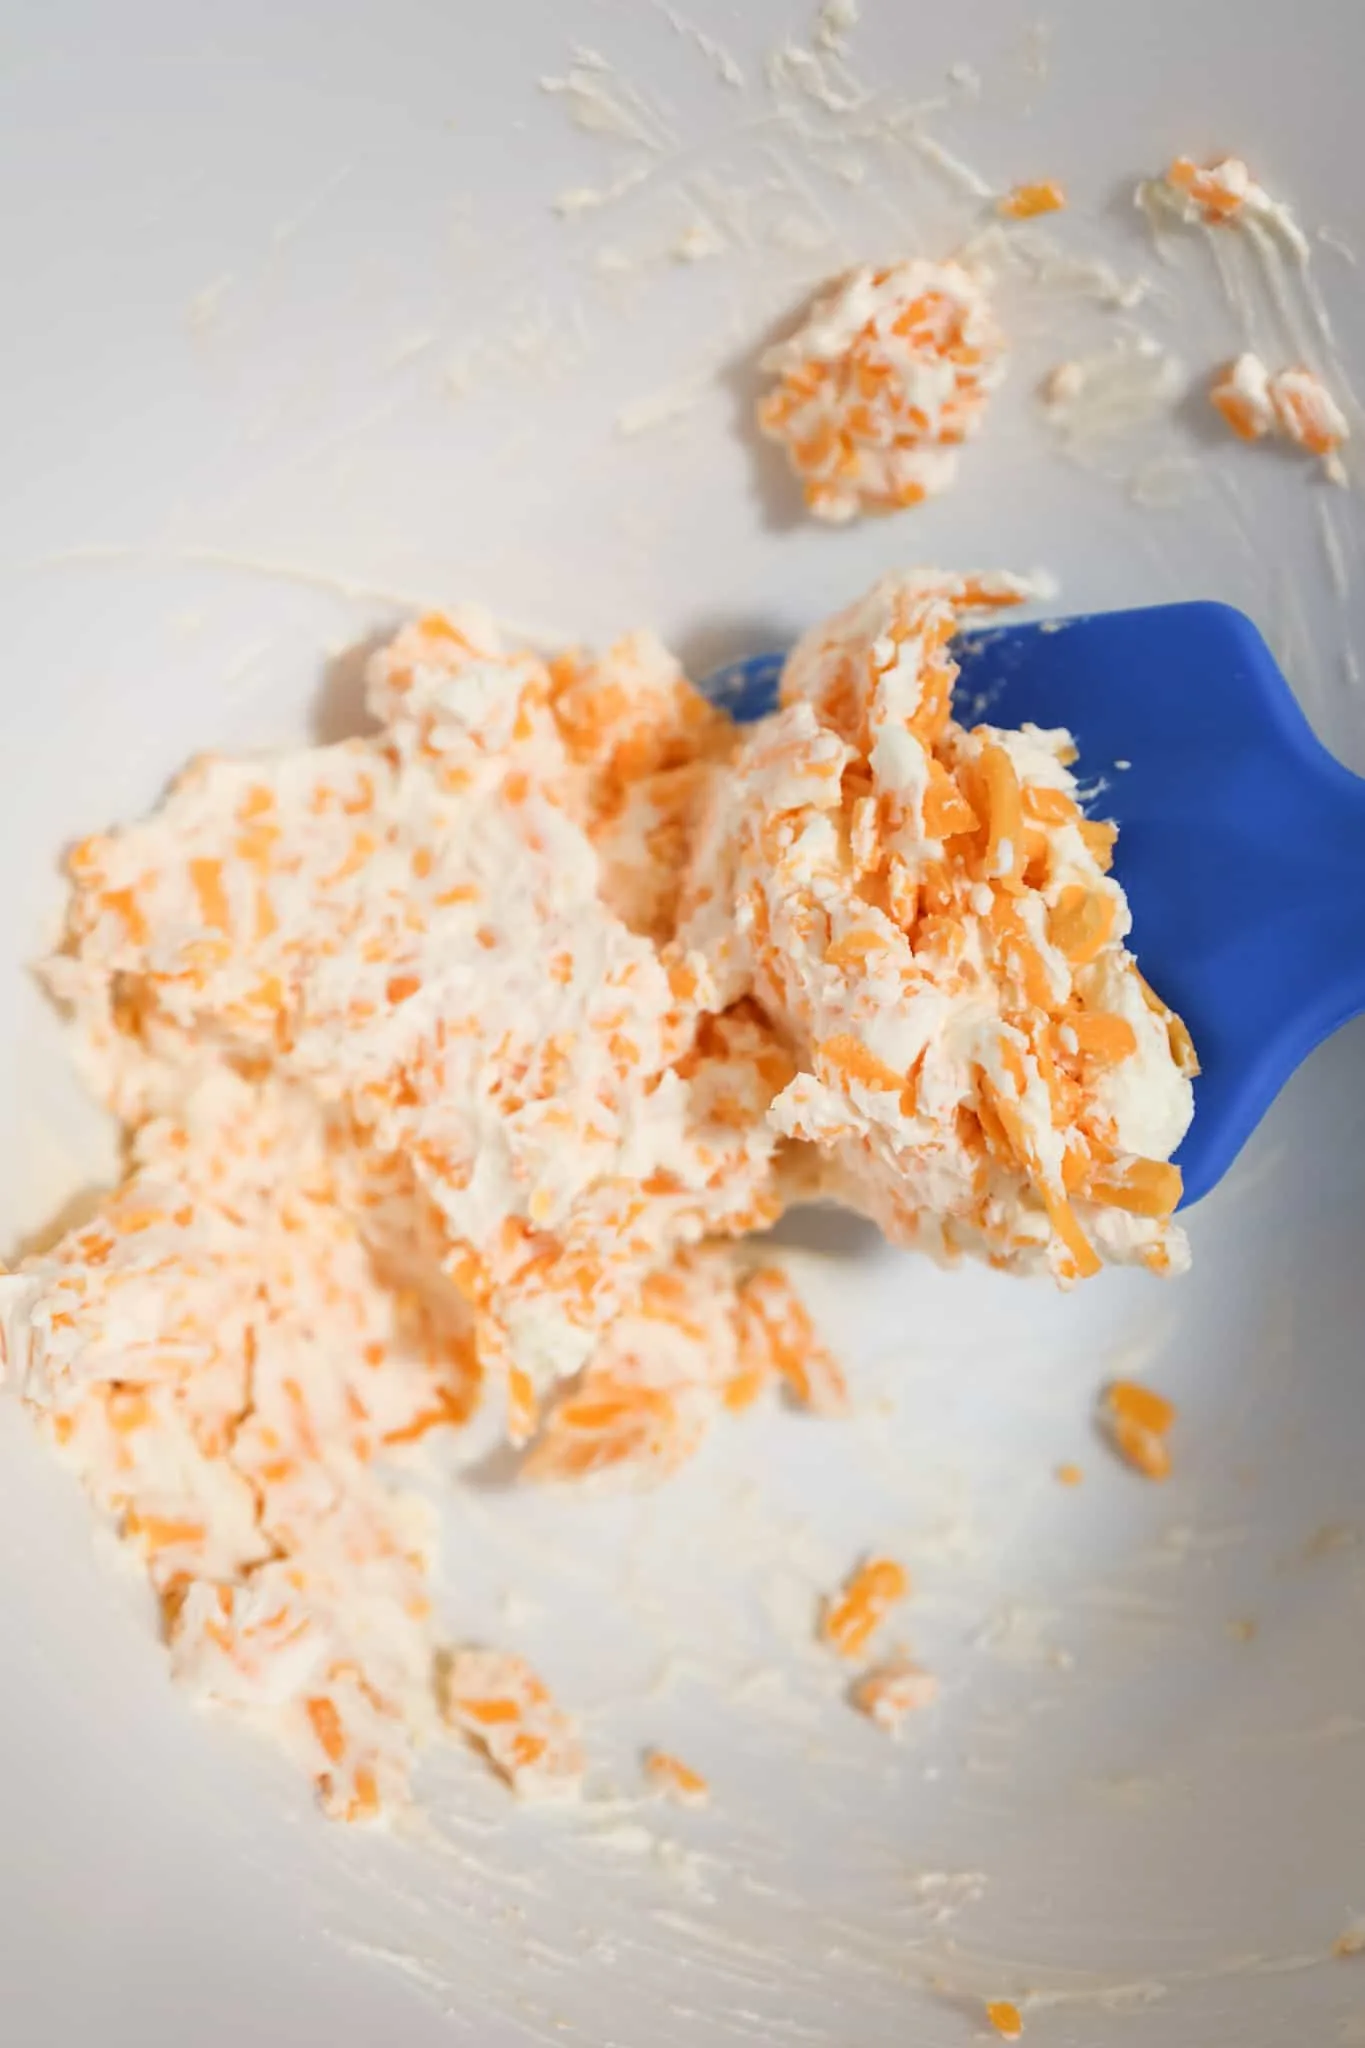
[[1241, 842]]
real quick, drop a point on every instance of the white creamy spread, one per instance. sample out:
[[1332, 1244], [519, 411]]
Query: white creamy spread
[[451, 1057]]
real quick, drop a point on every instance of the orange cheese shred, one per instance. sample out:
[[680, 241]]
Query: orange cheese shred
[[853, 1616]]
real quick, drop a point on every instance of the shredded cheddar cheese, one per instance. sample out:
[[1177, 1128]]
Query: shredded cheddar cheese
[[849, 1621], [889, 373], [1138, 1422], [1028, 202], [1006, 2018], [777, 1338], [676, 1780]]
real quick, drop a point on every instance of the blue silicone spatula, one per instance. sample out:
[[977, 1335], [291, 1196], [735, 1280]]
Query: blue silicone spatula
[[1241, 839]]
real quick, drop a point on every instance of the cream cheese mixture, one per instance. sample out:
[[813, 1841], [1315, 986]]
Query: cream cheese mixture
[[889, 373], [455, 1059], [1221, 194], [1293, 403]]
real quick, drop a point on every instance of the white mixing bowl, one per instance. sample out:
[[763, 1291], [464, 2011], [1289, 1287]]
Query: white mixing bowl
[[318, 311]]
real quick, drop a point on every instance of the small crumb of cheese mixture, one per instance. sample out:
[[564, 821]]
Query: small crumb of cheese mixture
[[451, 1057], [1240, 391], [891, 1692], [1137, 1422], [849, 1621], [671, 1777], [1220, 195], [890, 371], [1294, 404], [500, 1704], [926, 914], [699, 1338]]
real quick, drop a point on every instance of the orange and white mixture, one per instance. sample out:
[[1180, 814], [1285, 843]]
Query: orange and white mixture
[[446, 941], [1220, 195], [1293, 403], [218, 1356], [891, 1692], [427, 1110], [450, 1059], [852, 1618], [927, 917], [889, 373], [503, 1706], [673, 1779]]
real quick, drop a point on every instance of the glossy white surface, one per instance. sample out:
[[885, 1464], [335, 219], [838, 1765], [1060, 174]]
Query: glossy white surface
[[297, 338]]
